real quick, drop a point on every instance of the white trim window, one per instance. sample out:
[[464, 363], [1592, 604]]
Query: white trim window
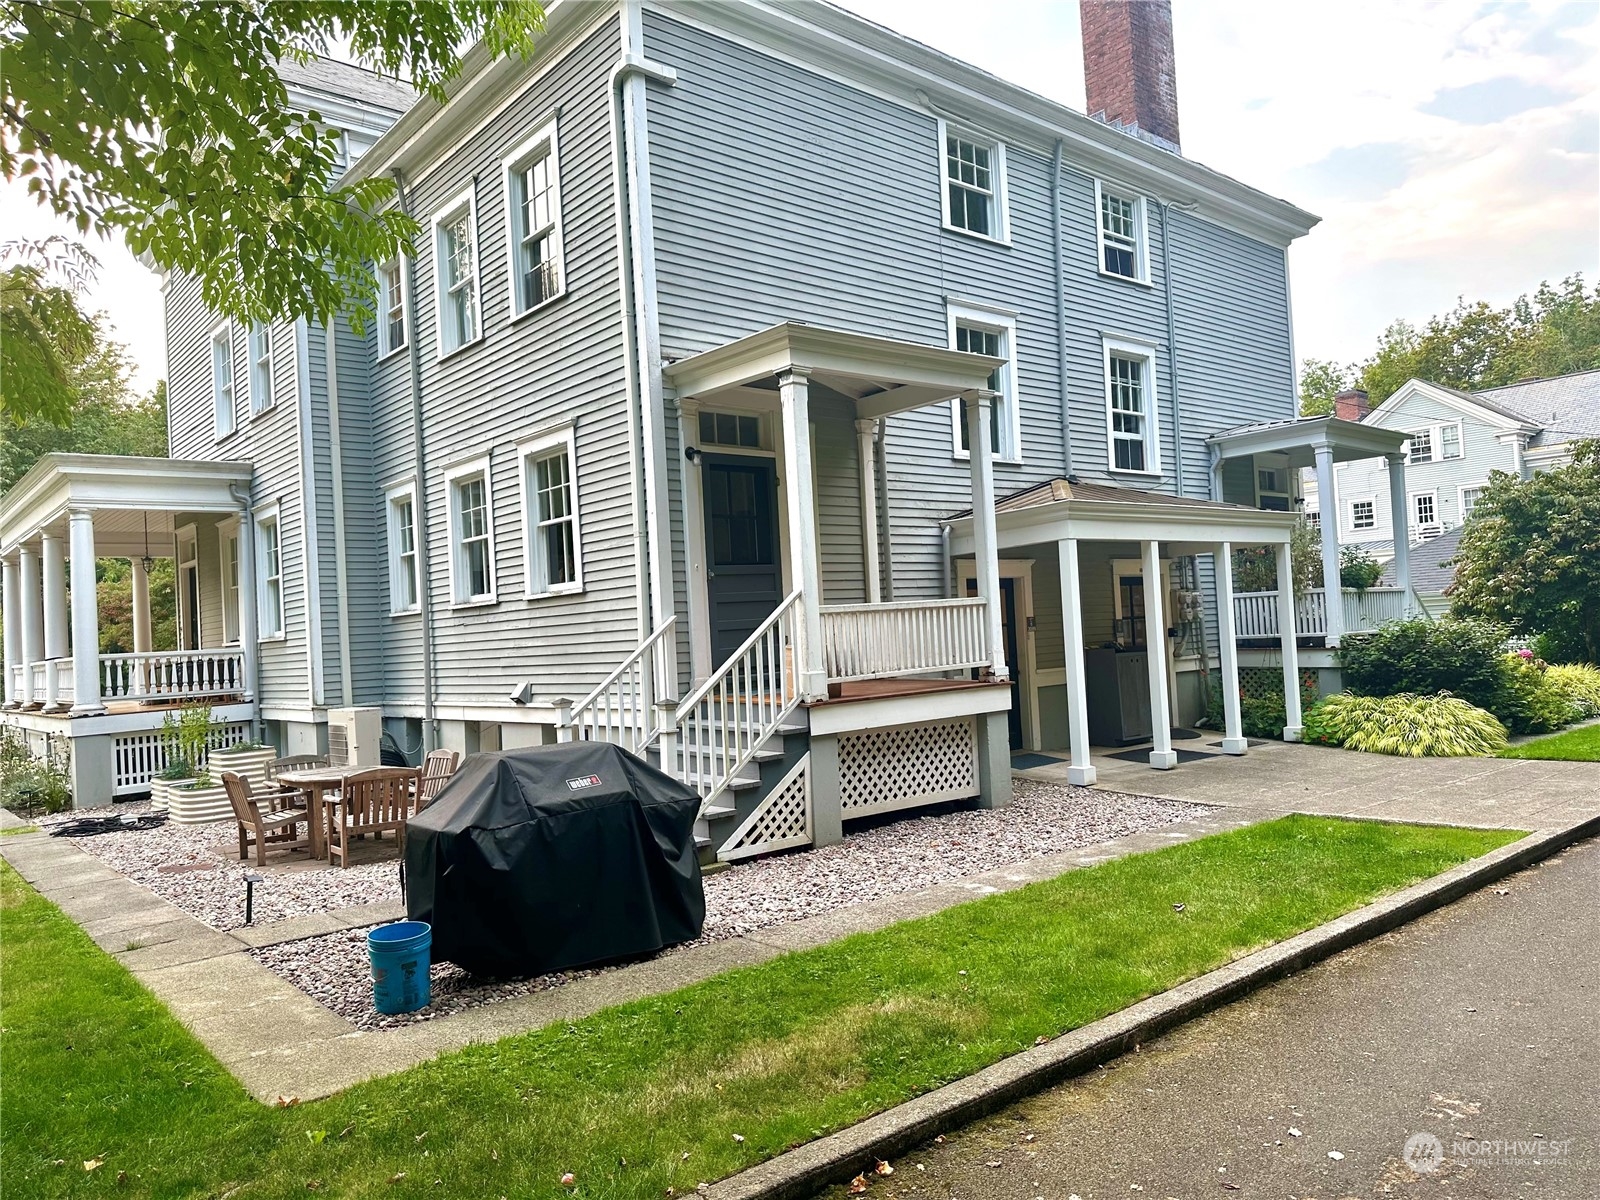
[[269, 571], [1467, 497], [260, 345], [1425, 510], [1434, 443], [1450, 441], [1132, 430], [1313, 517], [455, 273], [1420, 448], [391, 307], [222, 380], [405, 595], [972, 193], [1363, 514], [471, 533], [533, 220], [1123, 234], [228, 559], [550, 526], [979, 330]]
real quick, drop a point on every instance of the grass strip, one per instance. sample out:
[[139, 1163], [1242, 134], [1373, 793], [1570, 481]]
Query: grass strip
[[1575, 745], [105, 1092]]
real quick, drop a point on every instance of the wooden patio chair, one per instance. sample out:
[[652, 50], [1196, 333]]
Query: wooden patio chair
[[294, 762], [287, 795], [437, 767], [265, 831], [372, 802]]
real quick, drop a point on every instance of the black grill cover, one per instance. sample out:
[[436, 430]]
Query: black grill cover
[[538, 860]]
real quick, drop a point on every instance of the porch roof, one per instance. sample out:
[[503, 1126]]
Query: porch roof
[[881, 375], [1071, 508], [1301, 438], [128, 497]]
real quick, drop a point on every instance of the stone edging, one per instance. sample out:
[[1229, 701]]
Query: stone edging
[[806, 1169]]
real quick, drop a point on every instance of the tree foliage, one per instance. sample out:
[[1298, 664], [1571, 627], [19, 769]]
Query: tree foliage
[[44, 334], [1530, 556], [167, 123], [1321, 380]]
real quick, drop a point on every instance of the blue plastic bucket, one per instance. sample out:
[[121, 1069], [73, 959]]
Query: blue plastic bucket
[[399, 956]]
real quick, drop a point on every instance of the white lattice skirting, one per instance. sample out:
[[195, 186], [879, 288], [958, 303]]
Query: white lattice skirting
[[137, 758], [780, 822], [881, 770]]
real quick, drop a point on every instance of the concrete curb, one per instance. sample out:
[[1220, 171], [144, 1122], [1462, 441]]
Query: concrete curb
[[806, 1169]]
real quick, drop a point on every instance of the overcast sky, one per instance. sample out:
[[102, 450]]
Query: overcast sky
[[1451, 148]]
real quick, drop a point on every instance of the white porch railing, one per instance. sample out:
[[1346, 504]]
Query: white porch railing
[[876, 641], [1255, 614], [623, 708], [172, 675], [722, 723]]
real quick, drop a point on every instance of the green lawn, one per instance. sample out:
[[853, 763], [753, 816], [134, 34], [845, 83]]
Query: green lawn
[[1575, 745], [649, 1096]]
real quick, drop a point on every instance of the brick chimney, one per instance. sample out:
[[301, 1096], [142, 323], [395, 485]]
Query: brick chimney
[[1129, 77], [1351, 405]]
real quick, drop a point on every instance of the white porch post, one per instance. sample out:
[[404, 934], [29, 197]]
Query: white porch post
[[985, 536], [1162, 756], [867, 466], [1081, 771], [53, 561], [85, 616], [1400, 507], [32, 622], [694, 541], [1233, 739], [11, 596], [794, 392], [1292, 729], [249, 601], [1333, 600], [142, 643]]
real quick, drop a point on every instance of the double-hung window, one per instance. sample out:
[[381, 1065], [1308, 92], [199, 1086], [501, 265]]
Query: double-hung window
[[229, 536], [1123, 240], [455, 258], [1131, 423], [1436, 443], [551, 531], [1469, 500], [1422, 446], [391, 307], [1363, 514], [260, 367], [269, 559], [994, 333], [222, 380], [533, 193], [472, 534], [404, 593], [1450, 441], [974, 194]]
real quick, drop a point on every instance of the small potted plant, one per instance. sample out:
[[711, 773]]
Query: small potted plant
[[178, 770], [198, 802], [249, 759]]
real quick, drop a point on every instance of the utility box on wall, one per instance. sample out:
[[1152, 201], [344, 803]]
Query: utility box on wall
[[354, 737]]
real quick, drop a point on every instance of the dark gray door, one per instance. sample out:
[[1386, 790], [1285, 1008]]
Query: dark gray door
[[744, 577]]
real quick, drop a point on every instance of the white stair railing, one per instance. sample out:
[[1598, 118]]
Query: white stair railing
[[722, 723], [878, 641], [622, 709]]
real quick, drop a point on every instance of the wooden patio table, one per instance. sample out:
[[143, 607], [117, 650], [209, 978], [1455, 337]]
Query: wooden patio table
[[318, 781]]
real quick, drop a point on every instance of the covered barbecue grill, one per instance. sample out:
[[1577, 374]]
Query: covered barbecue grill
[[553, 857]]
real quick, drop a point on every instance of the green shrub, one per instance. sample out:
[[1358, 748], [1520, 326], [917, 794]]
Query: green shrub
[[1439, 726], [33, 785], [177, 767], [1579, 683], [1531, 703], [1422, 657], [1258, 718], [188, 736], [1560, 646], [1358, 569]]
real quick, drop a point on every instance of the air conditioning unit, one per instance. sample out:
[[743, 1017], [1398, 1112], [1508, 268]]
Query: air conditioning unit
[[353, 737]]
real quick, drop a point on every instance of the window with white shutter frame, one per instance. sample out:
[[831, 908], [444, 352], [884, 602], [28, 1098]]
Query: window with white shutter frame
[[551, 529], [533, 221], [455, 275]]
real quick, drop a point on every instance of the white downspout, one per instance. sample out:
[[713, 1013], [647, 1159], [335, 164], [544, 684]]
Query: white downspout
[[336, 456]]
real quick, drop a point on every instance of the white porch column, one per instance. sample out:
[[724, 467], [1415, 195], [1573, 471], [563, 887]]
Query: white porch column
[[248, 601], [1233, 739], [85, 616], [794, 391], [985, 537], [142, 643], [867, 465], [1081, 771], [1400, 506], [1162, 756], [1328, 502], [1292, 730], [11, 596], [54, 561], [694, 541], [32, 607]]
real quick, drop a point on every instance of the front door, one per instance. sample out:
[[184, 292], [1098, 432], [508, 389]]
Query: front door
[[744, 576], [1008, 632]]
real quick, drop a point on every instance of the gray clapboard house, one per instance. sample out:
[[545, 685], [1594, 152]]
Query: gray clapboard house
[[772, 393]]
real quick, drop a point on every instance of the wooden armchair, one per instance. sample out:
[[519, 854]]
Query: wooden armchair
[[264, 831], [437, 767], [371, 802]]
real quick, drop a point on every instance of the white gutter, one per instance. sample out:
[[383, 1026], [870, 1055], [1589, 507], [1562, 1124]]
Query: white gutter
[[336, 459], [310, 567], [1063, 361]]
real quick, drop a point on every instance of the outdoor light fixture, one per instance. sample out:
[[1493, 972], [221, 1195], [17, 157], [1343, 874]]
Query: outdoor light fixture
[[692, 453], [250, 881], [147, 562]]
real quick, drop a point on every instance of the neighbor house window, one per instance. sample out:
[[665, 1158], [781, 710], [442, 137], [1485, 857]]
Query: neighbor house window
[[472, 535], [1363, 514], [229, 535], [974, 197], [1469, 500], [455, 242], [392, 308], [1449, 441], [1424, 509], [1436, 443], [1422, 446], [269, 556], [1131, 407], [260, 367], [1122, 235], [1314, 518], [550, 514], [986, 331], [533, 191], [404, 594], [222, 380]]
